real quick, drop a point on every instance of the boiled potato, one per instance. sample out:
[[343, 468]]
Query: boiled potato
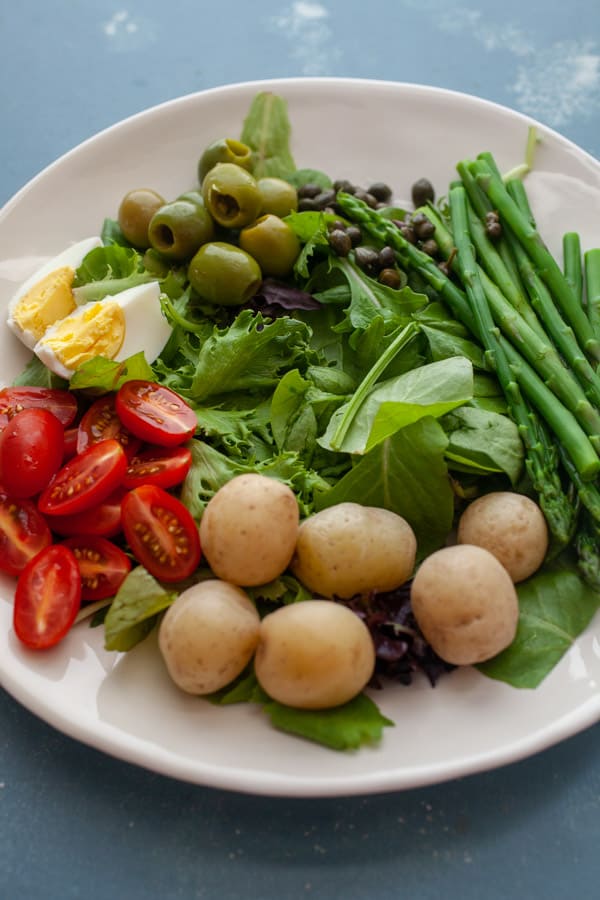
[[208, 636], [314, 654], [509, 525], [248, 530], [465, 603], [351, 549]]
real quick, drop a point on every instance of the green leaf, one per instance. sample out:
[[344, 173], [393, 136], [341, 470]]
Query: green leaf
[[443, 344], [35, 374], [555, 606], [102, 375], [134, 611], [346, 727], [111, 233], [487, 441], [406, 473], [369, 298], [266, 131], [109, 270], [309, 176]]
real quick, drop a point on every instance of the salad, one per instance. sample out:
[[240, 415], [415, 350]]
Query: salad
[[365, 370]]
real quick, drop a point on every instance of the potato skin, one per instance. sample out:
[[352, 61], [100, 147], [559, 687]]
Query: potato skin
[[248, 530], [208, 635], [314, 654], [350, 549], [465, 603], [509, 525]]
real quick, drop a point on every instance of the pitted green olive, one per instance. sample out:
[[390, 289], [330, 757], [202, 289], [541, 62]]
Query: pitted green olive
[[135, 212], [193, 196], [231, 195], [225, 150], [179, 228], [278, 196], [272, 243], [224, 274]]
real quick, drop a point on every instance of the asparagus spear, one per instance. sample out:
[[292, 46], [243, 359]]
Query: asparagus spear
[[530, 239], [572, 263], [592, 286]]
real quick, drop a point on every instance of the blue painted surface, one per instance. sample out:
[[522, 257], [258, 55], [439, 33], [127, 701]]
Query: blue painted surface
[[75, 823]]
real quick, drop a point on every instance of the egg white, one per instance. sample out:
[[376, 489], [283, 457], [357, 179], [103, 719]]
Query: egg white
[[146, 329], [72, 258]]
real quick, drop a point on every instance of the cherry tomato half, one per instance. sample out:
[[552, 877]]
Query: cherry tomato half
[[155, 413], [100, 422], [163, 466], [23, 533], [102, 565], [61, 404], [161, 533], [47, 598], [85, 480], [31, 451], [103, 520], [70, 447]]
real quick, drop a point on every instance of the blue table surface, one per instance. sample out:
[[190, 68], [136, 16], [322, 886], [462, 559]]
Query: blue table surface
[[76, 823]]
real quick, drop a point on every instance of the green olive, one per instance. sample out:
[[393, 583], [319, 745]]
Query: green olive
[[272, 243], [278, 196], [225, 150], [193, 197], [177, 229], [224, 274], [231, 195], [135, 212]]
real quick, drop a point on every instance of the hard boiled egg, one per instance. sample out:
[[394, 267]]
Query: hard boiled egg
[[116, 327], [46, 296]]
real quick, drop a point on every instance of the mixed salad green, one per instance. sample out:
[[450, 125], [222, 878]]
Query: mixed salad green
[[407, 397]]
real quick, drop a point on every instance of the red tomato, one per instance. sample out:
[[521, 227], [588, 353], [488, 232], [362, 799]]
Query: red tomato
[[62, 404], [23, 533], [155, 413], [70, 438], [86, 480], [103, 520], [100, 422], [31, 451], [47, 598], [163, 466], [102, 566], [161, 533]]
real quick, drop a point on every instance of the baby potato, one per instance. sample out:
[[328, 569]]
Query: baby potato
[[248, 530], [465, 603], [314, 654], [509, 525], [350, 549], [208, 636]]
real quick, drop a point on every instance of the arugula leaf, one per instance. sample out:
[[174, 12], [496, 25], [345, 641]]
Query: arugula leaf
[[134, 611], [266, 130], [555, 607], [102, 375], [408, 474], [109, 270], [485, 441], [370, 298]]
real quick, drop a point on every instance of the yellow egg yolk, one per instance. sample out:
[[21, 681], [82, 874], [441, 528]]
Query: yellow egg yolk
[[97, 331], [49, 300]]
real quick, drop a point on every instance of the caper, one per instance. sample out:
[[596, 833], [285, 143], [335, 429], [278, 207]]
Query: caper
[[430, 247], [386, 258], [381, 191], [366, 197], [342, 184], [231, 195], [367, 259], [224, 274], [224, 150], [340, 242], [390, 277], [422, 192], [277, 196], [423, 227], [406, 230], [307, 204], [135, 212], [493, 226], [325, 198], [355, 234], [272, 243], [177, 229], [309, 190]]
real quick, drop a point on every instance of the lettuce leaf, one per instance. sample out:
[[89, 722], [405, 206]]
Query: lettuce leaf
[[135, 609], [266, 130]]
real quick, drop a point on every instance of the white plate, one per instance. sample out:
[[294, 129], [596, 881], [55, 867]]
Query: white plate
[[125, 705]]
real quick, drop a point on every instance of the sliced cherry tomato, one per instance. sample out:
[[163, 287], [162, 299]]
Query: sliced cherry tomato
[[161, 533], [163, 466], [102, 566], [31, 451], [61, 404], [155, 413], [47, 598], [70, 448], [86, 480], [100, 422], [103, 520], [23, 533]]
